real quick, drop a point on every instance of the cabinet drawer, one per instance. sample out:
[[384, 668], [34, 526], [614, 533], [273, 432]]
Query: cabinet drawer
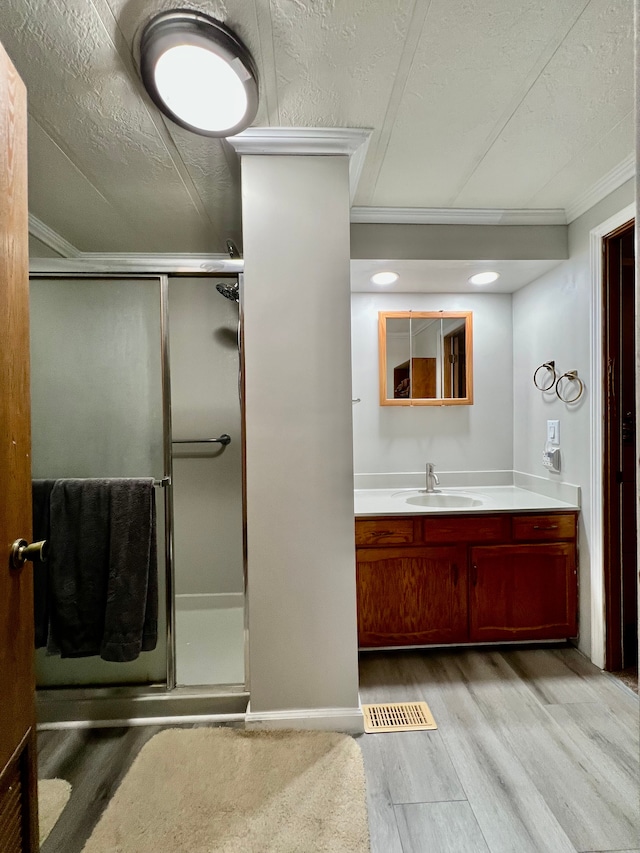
[[458, 528], [385, 531], [549, 526]]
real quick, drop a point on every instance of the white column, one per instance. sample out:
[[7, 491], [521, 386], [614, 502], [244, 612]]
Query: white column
[[299, 462]]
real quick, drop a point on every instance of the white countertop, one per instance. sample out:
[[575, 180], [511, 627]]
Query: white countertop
[[486, 499]]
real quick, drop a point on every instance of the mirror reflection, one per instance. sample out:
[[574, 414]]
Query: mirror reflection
[[426, 358]]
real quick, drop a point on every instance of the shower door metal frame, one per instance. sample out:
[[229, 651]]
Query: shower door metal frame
[[167, 475]]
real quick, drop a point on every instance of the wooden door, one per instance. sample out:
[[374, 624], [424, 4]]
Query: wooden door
[[423, 378], [527, 591], [619, 469], [411, 596], [18, 811]]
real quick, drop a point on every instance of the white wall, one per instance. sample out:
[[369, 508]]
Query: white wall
[[552, 320], [457, 438], [299, 469]]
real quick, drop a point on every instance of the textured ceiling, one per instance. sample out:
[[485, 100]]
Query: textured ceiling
[[472, 103]]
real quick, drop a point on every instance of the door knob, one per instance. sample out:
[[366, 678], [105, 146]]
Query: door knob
[[21, 551]]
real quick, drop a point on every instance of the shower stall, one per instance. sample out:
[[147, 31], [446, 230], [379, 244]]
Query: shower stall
[[138, 376]]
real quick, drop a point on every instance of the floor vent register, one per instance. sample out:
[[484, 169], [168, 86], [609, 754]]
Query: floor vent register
[[398, 717]]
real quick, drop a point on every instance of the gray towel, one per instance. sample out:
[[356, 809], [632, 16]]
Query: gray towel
[[103, 568], [131, 615]]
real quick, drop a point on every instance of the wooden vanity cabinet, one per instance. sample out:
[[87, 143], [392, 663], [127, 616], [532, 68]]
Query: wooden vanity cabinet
[[528, 589], [412, 595], [456, 578]]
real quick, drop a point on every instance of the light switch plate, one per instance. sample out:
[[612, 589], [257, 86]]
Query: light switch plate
[[553, 432]]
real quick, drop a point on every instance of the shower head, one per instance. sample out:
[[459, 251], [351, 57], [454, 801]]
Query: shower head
[[229, 290]]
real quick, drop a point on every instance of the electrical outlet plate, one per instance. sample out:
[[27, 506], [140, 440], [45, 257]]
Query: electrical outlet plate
[[551, 459]]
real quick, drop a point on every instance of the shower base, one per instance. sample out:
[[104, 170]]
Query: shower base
[[209, 639]]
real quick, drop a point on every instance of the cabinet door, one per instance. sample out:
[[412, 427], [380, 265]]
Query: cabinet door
[[523, 592], [411, 596]]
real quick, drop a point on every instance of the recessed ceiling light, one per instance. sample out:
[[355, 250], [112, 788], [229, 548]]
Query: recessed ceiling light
[[484, 277], [384, 277], [199, 73]]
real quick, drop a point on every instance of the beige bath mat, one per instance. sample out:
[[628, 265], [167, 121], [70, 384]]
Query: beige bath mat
[[53, 795], [217, 790]]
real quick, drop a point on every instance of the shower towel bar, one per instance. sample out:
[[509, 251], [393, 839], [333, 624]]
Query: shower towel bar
[[223, 439], [165, 481]]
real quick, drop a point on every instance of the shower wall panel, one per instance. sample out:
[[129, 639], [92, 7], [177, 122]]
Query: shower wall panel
[[207, 478]]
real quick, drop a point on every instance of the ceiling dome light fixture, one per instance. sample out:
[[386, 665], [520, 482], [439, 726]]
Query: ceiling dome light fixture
[[384, 277], [484, 277], [199, 73]]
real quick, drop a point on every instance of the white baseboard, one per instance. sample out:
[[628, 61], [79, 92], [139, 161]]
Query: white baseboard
[[348, 720]]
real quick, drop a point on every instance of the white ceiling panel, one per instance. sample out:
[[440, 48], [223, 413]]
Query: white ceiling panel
[[585, 90], [474, 63], [58, 190], [572, 179], [336, 62]]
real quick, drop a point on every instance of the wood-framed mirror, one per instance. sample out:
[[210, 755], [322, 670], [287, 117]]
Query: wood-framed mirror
[[425, 358]]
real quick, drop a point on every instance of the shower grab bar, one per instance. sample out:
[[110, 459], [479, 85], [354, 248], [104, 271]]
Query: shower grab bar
[[224, 439]]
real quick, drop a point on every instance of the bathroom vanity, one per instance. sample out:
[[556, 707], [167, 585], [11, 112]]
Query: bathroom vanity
[[467, 575]]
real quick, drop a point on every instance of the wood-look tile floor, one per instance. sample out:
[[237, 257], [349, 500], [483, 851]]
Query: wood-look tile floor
[[536, 751]]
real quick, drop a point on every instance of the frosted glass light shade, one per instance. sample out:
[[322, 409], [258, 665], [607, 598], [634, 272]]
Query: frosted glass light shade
[[201, 87], [199, 73]]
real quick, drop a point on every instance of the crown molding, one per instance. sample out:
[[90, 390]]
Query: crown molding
[[457, 216], [621, 173], [308, 141], [51, 238]]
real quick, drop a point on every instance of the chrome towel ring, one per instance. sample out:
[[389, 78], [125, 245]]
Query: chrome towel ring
[[570, 376], [542, 381], [545, 378]]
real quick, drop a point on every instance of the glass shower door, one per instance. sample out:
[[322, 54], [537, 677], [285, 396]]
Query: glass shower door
[[99, 411], [207, 490]]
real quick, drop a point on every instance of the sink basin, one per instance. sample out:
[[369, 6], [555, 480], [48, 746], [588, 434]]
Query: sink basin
[[443, 499]]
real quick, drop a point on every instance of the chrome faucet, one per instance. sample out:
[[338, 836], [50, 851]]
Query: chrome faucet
[[432, 479]]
